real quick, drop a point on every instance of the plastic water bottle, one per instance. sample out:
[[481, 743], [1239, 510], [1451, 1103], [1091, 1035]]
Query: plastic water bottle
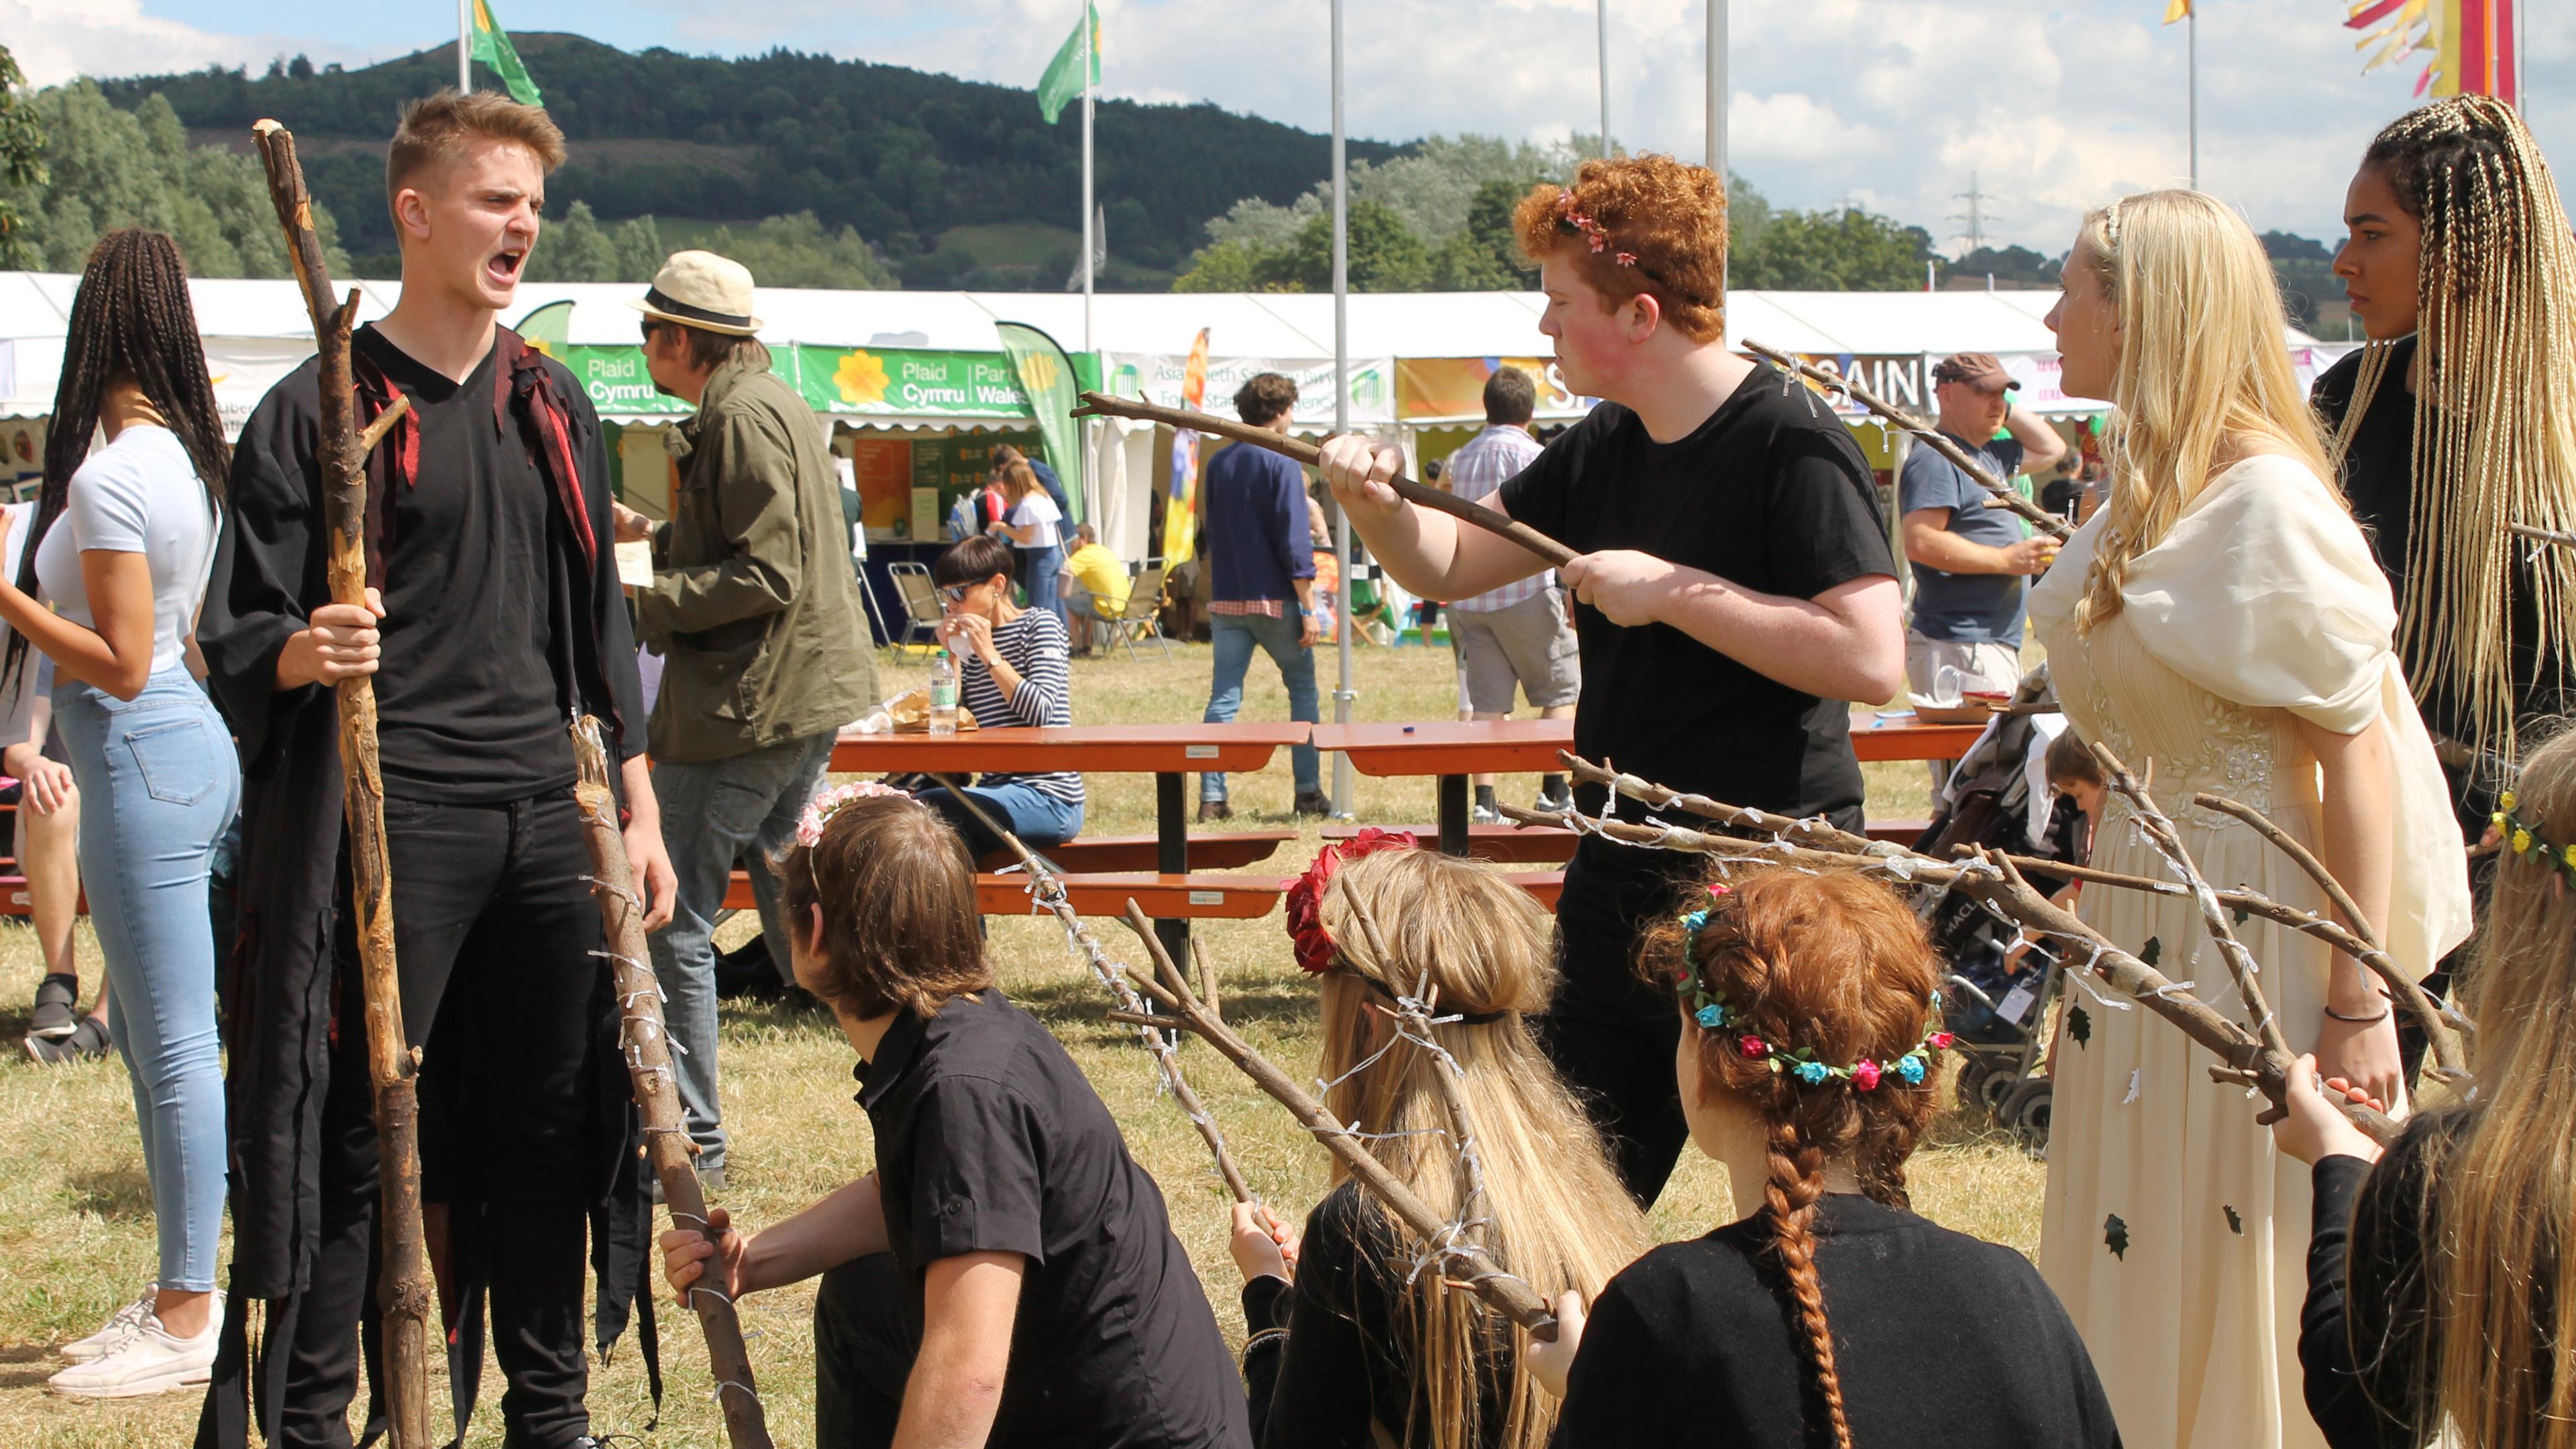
[[943, 694]]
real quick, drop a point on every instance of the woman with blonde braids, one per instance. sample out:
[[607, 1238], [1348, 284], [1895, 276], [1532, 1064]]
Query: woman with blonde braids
[[2442, 1279], [1364, 1349], [1829, 1314], [2219, 624], [2459, 418]]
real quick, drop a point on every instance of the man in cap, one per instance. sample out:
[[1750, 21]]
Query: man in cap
[[1969, 560], [757, 616]]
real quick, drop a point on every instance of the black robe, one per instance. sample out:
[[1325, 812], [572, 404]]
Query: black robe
[[269, 572]]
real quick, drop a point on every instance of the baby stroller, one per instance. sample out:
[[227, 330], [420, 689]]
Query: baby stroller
[[1998, 796]]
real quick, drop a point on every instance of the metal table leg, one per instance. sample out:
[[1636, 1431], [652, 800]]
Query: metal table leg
[[1453, 815]]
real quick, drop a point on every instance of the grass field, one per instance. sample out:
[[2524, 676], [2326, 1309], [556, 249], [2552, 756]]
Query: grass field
[[76, 1234]]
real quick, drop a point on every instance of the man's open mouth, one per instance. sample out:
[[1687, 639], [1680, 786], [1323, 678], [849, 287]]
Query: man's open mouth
[[503, 266]]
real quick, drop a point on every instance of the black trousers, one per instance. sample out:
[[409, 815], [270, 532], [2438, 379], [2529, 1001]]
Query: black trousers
[[494, 928], [1610, 1034], [867, 1332]]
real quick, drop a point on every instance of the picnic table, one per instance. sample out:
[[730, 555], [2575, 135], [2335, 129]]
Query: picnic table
[[1453, 750], [1170, 753]]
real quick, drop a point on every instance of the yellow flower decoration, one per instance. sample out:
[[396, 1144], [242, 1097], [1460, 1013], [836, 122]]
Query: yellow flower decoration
[[2569, 855], [861, 377], [1037, 373], [2521, 841], [2506, 800]]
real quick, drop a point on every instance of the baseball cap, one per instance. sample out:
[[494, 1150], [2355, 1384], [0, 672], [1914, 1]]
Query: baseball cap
[[1978, 369]]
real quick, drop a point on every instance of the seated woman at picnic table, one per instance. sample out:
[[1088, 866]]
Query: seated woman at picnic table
[[2440, 1293], [1007, 1273], [1013, 668], [1810, 1033], [1364, 1349]]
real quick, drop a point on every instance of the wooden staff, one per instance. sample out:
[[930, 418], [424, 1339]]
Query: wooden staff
[[2543, 535], [646, 1044], [403, 1295], [1098, 404], [1511, 1296], [1933, 438]]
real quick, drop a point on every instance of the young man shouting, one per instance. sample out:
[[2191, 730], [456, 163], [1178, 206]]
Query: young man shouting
[[494, 617], [1735, 580]]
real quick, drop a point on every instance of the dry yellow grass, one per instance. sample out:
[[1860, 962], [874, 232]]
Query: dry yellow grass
[[76, 1226]]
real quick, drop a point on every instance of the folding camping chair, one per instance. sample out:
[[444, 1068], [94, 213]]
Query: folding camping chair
[[1144, 609], [920, 601]]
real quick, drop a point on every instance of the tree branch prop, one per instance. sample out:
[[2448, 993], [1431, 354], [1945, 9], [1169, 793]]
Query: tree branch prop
[[1931, 437], [1511, 1296], [2167, 840], [2450, 1061], [2543, 535], [1995, 880], [1097, 405], [403, 1294], [646, 1044]]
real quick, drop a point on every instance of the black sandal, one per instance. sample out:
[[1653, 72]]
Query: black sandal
[[87, 1043], [57, 1013]]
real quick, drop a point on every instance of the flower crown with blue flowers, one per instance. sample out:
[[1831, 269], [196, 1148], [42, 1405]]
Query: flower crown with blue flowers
[[1710, 1009]]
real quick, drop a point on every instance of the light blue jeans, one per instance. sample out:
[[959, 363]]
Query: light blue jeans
[[1036, 817], [159, 783], [1038, 570], [712, 812], [1235, 636]]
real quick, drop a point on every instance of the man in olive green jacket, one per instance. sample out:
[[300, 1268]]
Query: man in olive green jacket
[[756, 613]]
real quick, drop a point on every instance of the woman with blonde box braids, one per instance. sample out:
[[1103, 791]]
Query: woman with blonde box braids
[[1829, 1314]]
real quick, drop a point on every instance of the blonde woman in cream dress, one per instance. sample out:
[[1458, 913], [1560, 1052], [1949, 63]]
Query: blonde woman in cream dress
[[2220, 625]]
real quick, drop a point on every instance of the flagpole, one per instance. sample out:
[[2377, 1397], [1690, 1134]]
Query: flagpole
[[2191, 41], [1090, 61], [464, 47], [1344, 798], [1717, 97], [1601, 22]]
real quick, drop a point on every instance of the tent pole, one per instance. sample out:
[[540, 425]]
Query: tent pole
[[1343, 783], [464, 47]]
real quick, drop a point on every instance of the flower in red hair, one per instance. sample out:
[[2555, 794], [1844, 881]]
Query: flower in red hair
[[1314, 945], [1752, 1046], [1940, 1040], [1865, 1075]]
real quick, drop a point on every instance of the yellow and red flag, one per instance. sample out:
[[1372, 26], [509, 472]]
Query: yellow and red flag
[[2470, 41], [2176, 10], [1180, 509]]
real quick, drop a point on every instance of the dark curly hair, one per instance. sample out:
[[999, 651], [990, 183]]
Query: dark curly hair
[[1668, 216]]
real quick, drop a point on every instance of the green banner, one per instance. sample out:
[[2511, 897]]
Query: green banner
[[1046, 377], [617, 383], [909, 383]]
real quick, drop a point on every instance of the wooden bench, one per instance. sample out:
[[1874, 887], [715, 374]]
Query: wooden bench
[[1898, 832], [14, 902], [1501, 844], [1544, 886], [1209, 850]]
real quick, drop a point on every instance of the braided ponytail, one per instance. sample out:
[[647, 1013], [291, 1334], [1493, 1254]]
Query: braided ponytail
[[1789, 1198]]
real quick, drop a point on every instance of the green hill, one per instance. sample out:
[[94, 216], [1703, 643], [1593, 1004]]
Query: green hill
[[924, 166]]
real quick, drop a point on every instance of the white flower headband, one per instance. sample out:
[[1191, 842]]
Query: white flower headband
[[820, 810]]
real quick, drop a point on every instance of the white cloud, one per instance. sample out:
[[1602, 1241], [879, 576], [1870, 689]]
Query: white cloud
[[55, 40]]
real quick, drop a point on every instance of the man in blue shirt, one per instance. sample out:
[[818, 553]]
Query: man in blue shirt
[[1261, 567], [1969, 560]]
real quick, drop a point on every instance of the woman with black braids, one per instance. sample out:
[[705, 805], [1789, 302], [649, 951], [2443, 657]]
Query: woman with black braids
[[1829, 1314], [114, 568]]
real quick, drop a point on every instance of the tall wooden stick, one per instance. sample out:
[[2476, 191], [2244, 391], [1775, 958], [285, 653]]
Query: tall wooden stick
[[403, 1296], [1930, 437], [1099, 404], [2542, 535], [1513, 1297], [645, 1041]]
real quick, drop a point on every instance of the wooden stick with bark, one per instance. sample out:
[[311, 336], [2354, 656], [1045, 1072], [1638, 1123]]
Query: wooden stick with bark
[[2004, 495], [1511, 1296], [2543, 535], [645, 1042], [403, 1295], [1100, 404]]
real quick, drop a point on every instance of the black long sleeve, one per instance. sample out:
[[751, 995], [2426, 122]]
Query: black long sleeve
[[1317, 1388], [2364, 1331]]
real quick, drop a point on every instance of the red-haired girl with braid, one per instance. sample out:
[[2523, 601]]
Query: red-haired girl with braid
[[1830, 1314]]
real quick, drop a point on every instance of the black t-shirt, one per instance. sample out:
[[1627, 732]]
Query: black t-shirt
[[1346, 1363], [2379, 482], [990, 1140], [467, 708], [1941, 1342]]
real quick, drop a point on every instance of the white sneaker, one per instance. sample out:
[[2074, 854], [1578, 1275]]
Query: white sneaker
[[118, 1329], [152, 1361]]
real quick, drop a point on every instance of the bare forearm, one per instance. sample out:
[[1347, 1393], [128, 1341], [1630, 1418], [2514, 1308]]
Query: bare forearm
[[1941, 549], [1833, 653], [643, 807], [850, 1223], [969, 1304], [2358, 825], [78, 651], [947, 1404], [1435, 556], [2040, 444]]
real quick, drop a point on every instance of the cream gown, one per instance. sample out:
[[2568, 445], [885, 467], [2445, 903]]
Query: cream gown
[[2262, 605]]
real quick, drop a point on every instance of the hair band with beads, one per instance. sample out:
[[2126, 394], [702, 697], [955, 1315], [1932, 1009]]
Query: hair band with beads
[[820, 810]]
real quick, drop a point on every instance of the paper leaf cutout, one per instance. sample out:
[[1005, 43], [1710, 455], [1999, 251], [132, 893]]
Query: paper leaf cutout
[[2115, 1236], [2152, 950], [2235, 1224], [2243, 915], [2078, 1025]]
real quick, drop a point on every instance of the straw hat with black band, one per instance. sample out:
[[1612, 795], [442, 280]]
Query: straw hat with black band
[[702, 290]]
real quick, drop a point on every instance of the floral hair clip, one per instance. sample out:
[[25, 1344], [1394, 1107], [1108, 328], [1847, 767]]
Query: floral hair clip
[[1592, 232], [2528, 843], [820, 810], [1316, 953]]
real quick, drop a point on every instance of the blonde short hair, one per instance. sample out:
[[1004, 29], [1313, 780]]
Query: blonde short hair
[[437, 129]]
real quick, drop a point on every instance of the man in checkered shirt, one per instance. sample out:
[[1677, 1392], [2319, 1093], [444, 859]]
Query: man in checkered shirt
[[1517, 635]]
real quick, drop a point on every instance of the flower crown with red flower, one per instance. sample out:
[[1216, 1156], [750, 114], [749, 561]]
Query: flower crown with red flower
[[1711, 1011], [1317, 953]]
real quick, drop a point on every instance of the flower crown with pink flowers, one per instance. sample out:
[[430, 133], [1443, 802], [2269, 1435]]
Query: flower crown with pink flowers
[[820, 810], [1593, 232], [1710, 1010]]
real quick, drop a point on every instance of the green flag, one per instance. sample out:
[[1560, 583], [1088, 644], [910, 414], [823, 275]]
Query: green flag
[[1046, 375], [492, 47], [1064, 76]]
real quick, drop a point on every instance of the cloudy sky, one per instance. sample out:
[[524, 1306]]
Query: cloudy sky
[[2051, 105]]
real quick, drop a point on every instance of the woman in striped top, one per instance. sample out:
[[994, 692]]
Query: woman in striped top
[[1013, 669]]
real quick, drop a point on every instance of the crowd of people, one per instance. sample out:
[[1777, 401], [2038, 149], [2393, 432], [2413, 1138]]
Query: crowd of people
[[2317, 610]]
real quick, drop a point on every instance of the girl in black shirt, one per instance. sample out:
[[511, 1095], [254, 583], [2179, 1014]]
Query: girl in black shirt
[[1364, 1349], [2439, 1291], [1807, 1067]]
